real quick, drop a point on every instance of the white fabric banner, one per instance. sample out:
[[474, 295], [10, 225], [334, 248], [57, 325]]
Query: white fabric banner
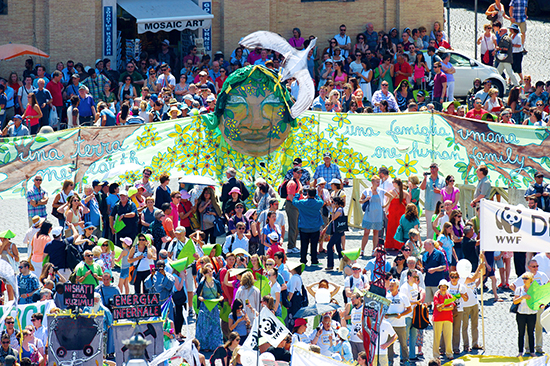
[[505, 227], [271, 328], [25, 312], [304, 357]]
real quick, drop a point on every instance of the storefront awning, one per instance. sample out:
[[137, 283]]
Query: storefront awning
[[166, 15]]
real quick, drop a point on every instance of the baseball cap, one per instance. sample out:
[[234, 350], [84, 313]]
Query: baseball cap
[[154, 98], [56, 231], [18, 116], [203, 73], [188, 97], [180, 230], [126, 241], [82, 87], [88, 225], [96, 183], [539, 175], [297, 161], [123, 192], [421, 93], [297, 169], [321, 180], [210, 98], [98, 61], [299, 322], [434, 165], [327, 155], [356, 266], [273, 236], [166, 42]]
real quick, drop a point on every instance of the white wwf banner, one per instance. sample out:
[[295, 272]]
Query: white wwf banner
[[505, 227], [271, 330], [23, 313], [304, 357]]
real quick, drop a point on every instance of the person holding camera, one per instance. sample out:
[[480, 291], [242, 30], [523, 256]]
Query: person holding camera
[[432, 184]]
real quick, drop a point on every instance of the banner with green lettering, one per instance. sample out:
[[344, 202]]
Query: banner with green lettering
[[360, 143]]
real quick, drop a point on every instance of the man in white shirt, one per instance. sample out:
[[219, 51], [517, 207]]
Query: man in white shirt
[[355, 314], [543, 260], [355, 281], [237, 240], [343, 41], [541, 279], [166, 79], [471, 310], [387, 338], [410, 289], [411, 264], [400, 306], [322, 337], [40, 332], [177, 244]]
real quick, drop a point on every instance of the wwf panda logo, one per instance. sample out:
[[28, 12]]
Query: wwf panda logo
[[508, 220], [268, 326]]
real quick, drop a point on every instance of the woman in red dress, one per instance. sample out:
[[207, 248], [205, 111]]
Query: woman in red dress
[[396, 209]]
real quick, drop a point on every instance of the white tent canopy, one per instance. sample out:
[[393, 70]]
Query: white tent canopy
[[166, 15]]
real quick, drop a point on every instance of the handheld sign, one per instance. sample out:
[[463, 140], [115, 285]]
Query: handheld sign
[[77, 294], [136, 306]]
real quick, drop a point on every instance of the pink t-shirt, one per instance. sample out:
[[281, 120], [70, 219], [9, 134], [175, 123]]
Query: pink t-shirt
[[296, 42], [451, 197]]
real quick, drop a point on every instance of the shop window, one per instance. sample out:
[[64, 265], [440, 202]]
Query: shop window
[[3, 7]]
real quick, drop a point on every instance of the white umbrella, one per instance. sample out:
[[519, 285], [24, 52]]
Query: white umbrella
[[197, 179], [121, 170]]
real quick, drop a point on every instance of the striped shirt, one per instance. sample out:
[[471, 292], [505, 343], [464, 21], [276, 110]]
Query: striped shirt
[[329, 173], [519, 10]]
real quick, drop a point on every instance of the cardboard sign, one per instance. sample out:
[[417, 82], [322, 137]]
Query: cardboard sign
[[77, 294], [136, 306]]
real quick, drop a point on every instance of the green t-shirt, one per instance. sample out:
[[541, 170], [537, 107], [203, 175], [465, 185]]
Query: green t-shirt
[[81, 270]]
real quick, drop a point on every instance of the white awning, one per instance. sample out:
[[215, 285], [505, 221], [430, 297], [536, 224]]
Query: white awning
[[166, 15]]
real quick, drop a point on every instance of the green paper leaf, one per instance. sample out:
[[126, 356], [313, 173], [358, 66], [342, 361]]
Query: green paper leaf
[[7, 158], [119, 224], [40, 139], [211, 304]]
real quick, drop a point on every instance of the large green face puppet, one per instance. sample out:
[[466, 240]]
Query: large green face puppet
[[252, 111]]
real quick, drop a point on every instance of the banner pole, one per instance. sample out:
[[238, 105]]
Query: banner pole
[[482, 258]]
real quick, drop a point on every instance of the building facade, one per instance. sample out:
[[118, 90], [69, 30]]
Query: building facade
[[84, 32]]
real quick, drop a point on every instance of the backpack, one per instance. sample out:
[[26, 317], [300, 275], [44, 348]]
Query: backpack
[[421, 319], [282, 189], [233, 238], [72, 256], [351, 281]]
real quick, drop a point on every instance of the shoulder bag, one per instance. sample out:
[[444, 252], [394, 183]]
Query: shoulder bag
[[133, 272]]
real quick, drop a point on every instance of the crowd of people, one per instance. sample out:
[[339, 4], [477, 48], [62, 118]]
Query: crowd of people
[[398, 71], [238, 235]]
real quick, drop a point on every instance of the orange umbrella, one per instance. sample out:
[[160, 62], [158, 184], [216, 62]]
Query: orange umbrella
[[12, 50]]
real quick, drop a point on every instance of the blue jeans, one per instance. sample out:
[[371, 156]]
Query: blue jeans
[[335, 239], [412, 334]]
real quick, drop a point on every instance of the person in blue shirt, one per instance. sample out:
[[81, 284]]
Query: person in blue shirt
[[310, 222], [107, 116], [162, 283], [94, 216], [435, 268], [15, 128]]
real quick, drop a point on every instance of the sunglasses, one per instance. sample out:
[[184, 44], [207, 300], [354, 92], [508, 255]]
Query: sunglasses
[[104, 245], [38, 180], [406, 250], [89, 255], [241, 228], [142, 239], [454, 276], [10, 322], [5, 342]]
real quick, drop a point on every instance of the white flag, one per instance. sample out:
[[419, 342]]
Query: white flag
[[505, 227], [270, 328]]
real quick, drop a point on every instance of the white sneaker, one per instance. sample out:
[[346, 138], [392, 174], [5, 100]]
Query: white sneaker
[[294, 250]]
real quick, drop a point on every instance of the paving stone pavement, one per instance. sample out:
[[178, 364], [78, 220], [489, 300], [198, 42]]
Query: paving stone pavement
[[536, 63], [500, 325]]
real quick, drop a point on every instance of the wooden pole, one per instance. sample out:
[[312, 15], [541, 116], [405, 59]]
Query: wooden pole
[[482, 259]]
